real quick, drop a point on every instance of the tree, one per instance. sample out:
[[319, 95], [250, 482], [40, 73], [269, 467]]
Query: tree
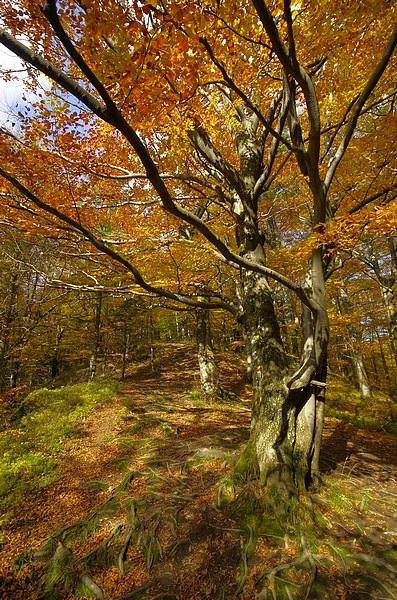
[[382, 262], [243, 108], [27, 306]]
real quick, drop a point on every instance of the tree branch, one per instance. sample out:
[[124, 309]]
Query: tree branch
[[231, 259], [43, 65], [351, 125], [99, 245], [372, 198], [295, 70], [231, 85], [203, 144], [111, 114], [50, 12]]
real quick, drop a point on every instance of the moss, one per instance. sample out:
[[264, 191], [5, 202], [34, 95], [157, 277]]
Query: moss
[[249, 507], [247, 466], [391, 428], [30, 452], [345, 403]]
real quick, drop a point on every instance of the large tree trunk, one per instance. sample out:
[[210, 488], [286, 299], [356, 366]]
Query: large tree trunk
[[269, 371], [287, 410], [286, 422]]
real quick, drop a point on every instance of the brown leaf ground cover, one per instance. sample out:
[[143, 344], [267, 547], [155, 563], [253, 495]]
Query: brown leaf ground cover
[[138, 511]]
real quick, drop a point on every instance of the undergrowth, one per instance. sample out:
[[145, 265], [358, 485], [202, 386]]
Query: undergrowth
[[344, 402], [30, 448]]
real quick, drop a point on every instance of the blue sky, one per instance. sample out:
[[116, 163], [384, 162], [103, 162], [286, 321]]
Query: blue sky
[[11, 92]]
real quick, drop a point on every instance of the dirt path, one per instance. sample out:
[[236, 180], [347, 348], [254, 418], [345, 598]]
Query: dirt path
[[172, 450]]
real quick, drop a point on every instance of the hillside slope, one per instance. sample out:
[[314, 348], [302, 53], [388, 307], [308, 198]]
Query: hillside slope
[[138, 511]]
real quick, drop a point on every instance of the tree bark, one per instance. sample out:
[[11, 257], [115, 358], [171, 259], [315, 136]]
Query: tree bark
[[287, 410], [97, 337], [5, 333], [205, 353], [356, 358]]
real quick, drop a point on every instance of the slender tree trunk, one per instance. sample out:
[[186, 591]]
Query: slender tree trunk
[[97, 337], [126, 348], [151, 337], [375, 367], [207, 366], [15, 373], [390, 300], [388, 383], [55, 367], [356, 357], [388, 286], [5, 333]]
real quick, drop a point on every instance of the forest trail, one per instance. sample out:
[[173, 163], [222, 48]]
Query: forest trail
[[172, 450]]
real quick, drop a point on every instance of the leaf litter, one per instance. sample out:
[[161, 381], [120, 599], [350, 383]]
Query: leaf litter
[[135, 513]]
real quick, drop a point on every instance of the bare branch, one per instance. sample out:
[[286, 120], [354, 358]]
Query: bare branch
[[225, 255], [50, 12], [203, 144], [295, 70], [240, 35], [291, 40], [43, 65]]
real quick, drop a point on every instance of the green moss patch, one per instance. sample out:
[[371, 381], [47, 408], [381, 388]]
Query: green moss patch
[[29, 452]]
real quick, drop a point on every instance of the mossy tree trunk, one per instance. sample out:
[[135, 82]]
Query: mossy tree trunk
[[286, 411]]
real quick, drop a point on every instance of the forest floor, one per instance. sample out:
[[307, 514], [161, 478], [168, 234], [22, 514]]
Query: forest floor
[[138, 512]]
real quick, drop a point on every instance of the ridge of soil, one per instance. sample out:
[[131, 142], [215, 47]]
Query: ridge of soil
[[176, 449]]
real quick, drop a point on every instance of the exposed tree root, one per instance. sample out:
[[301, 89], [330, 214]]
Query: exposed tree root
[[102, 548], [133, 593], [273, 575], [380, 584], [379, 562], [67, 572], [131, 521]]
